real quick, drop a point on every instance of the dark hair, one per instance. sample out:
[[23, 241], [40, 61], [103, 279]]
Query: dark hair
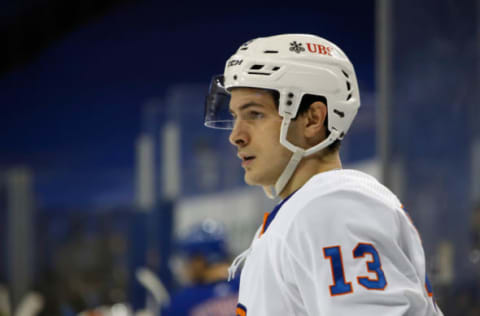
[[305, 103]]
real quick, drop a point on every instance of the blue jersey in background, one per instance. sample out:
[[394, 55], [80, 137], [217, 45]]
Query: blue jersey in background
[[214, 299]]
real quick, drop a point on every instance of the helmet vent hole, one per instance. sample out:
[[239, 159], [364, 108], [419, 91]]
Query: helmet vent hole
[[349, 97], [259, 73], [256, 67], [270, 52], [348, 85], [339, 113], [275, 68], [345, 74]]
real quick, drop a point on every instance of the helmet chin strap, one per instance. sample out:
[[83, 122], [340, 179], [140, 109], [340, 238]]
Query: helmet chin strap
[[298, 153], [288, 171]]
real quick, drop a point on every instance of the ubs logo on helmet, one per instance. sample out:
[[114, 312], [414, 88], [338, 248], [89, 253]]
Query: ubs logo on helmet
[[319, 48], [296, 47]]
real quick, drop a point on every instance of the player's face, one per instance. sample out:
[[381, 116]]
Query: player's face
[[256, 135]]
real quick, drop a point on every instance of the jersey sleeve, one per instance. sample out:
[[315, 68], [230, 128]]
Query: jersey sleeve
[[346, 254]]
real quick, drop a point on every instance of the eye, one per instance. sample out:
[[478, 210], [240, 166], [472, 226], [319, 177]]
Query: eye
[[252, 115]]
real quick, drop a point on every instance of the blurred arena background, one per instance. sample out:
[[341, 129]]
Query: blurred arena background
[[105, 163]]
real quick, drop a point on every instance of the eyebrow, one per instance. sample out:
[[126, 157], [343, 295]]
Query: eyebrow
[[246, 106]]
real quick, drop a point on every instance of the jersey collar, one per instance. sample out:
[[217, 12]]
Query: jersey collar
[[268, 217]]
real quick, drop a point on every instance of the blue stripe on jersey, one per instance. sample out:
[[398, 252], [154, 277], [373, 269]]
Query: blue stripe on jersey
[[275, 210]]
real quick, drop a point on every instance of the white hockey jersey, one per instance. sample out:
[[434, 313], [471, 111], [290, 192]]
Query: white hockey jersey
[[340, 245]]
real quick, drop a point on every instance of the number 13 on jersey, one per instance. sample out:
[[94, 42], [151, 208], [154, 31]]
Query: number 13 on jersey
[[340, 285]]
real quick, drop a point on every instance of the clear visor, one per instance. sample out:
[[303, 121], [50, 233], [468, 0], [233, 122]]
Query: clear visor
[[217, 102]]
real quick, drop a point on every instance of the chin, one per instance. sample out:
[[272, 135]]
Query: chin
[[251, 179]]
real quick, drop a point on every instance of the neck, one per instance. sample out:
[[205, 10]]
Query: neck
[[308, 167]]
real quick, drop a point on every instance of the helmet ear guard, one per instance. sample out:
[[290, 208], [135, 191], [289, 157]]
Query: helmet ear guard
[[289, 102]]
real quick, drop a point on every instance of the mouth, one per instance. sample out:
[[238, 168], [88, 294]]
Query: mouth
[[247, 160]]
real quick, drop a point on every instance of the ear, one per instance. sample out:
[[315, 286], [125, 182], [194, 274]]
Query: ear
[[315, 121]]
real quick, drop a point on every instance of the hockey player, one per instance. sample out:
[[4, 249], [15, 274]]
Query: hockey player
[[339, 242], [209, 293]]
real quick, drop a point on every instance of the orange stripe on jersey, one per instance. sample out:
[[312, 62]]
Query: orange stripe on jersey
[[430, 293], [265, 216], [241, 310]]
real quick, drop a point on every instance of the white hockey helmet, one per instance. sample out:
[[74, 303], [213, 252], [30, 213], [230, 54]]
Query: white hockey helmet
[[293, 65]]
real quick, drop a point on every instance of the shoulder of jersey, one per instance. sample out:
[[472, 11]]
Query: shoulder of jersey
[[328, 191]]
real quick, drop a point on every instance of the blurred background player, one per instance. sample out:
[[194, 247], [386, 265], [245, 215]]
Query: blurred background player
[[206, 261]]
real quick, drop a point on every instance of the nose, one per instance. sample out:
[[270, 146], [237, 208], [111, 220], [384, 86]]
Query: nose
[[239, 135]]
